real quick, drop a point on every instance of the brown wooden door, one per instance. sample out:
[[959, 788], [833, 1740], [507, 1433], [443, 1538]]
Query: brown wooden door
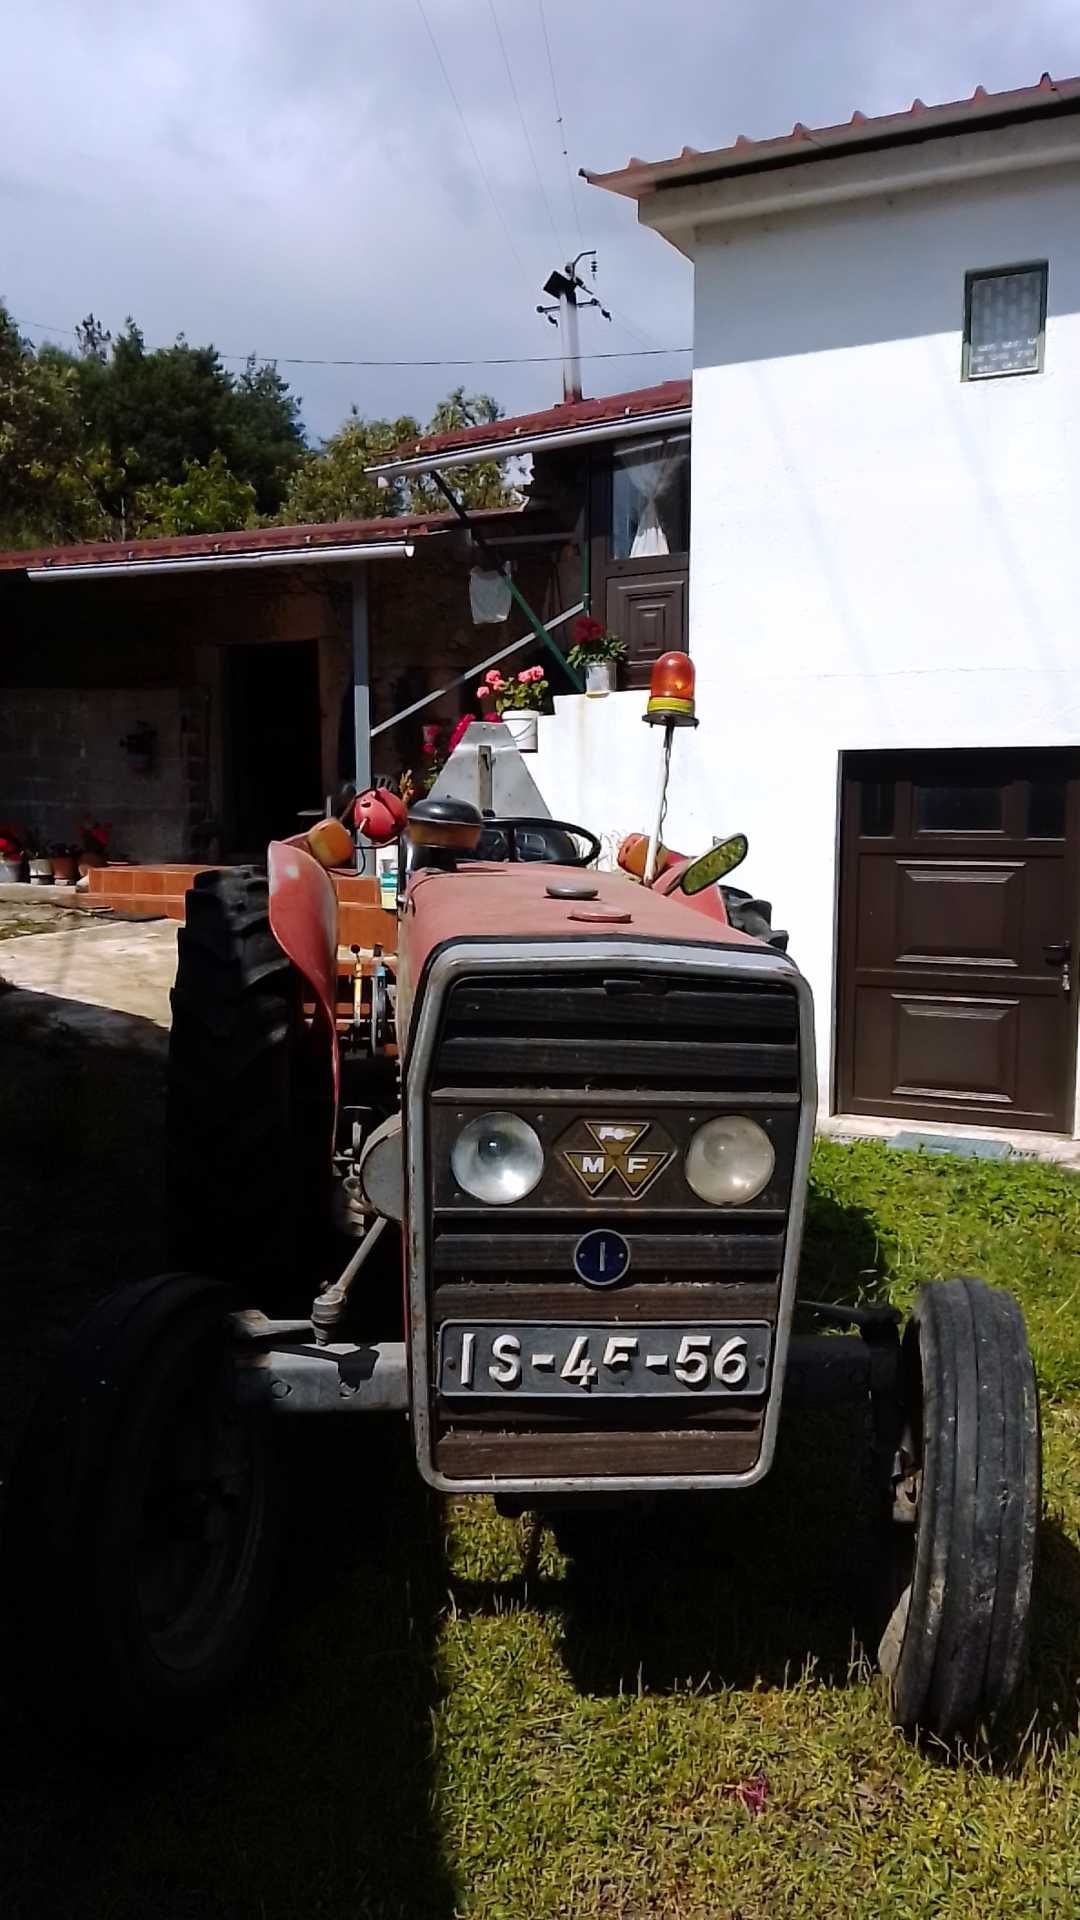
[[957, 904], [649, 615]]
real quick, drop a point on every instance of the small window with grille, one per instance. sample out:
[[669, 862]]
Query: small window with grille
[[1004, 321]]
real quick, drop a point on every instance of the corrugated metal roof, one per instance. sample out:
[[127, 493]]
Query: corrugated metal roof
[[917, 122], [249, 540], [670, 396]]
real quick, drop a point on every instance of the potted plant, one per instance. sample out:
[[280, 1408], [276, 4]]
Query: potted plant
[[39, 866], [65, 862], [95, 845], [595, 653], [11, 855], [517, 701]]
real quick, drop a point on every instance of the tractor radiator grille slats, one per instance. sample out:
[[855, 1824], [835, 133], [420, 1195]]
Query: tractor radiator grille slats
[[619, 1062], [622, 1033], [650, 1253]]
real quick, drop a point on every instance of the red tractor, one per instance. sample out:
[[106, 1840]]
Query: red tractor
[[564, 1140]]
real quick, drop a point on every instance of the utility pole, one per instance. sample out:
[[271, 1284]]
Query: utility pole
[[564, 285]]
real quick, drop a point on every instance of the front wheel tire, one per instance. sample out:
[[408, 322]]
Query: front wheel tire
[[966, 1512], [143, 1525]]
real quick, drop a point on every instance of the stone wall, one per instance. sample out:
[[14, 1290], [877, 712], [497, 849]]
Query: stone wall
[[62, 762]]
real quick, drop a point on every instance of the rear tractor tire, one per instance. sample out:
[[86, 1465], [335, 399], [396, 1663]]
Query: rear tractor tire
[[249, 1105], [966, 1508]]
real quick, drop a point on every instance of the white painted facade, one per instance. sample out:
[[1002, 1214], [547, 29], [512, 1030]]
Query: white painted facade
[[882, 555]]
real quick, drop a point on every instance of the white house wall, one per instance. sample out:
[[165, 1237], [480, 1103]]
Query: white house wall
[[882, 556]]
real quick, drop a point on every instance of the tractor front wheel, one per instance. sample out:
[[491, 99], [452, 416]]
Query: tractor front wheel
[[142, 1529], [966, 1503]]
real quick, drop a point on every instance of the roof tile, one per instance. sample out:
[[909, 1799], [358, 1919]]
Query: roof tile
[[330, 533], [669, 396], [640, 177]]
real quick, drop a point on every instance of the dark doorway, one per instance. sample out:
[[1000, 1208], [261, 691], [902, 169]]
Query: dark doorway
[[957, 910], [272, 746]]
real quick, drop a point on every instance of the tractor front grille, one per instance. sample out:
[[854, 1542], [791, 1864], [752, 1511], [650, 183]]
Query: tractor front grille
[[627, 1030], [563, 1049]]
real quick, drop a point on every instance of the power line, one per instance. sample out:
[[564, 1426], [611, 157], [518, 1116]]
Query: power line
[[510, 241], [647, 339], [559, 122], [478, 360], [524, 124], [38, 326], [481, 360]]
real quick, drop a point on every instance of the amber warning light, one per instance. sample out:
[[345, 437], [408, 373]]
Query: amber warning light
[[671, 692]]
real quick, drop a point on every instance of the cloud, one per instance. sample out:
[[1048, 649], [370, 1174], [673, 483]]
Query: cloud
[[293, 177]]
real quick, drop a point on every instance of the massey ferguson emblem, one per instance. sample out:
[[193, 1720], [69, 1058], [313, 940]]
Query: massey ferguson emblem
[[626, 1154]]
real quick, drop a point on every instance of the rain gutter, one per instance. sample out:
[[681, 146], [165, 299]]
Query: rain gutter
[[213, 562]]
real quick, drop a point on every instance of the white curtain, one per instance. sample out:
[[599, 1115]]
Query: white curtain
[[650, 475]]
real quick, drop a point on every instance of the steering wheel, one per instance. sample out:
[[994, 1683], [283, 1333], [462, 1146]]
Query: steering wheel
[[521, 837]]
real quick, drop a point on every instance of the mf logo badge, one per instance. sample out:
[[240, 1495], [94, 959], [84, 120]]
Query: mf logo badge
[[624, 1154]]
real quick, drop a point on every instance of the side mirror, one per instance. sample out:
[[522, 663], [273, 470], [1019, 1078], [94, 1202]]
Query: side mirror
[[715, 865]]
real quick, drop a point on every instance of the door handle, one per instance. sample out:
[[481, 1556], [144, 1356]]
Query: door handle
[[1059, 954]]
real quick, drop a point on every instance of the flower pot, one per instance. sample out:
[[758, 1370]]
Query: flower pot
[[91, 859], [599, 678], [65, 868], [41, 873], [522, 730], [11, 871]]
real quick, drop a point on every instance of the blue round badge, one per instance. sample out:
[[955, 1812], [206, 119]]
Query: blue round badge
[[601, 1257]]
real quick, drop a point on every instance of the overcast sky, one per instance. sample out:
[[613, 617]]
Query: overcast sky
[[293, 176]]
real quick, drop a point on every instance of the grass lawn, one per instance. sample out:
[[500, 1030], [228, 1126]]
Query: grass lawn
[[674, 1718]]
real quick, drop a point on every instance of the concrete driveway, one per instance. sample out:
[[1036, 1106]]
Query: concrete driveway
[[126, 966]]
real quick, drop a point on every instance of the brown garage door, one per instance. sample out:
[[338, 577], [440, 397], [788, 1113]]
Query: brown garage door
[[957, 906]]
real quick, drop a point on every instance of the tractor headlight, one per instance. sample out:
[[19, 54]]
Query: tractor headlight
[[497, 1158], [730, 1161]]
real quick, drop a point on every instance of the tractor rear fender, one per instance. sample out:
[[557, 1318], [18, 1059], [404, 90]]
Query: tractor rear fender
[[303, 921]]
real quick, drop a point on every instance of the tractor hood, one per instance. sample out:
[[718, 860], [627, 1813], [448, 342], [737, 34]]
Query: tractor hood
[[482, 902]]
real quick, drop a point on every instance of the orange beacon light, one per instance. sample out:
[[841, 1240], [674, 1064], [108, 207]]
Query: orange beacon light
[[671, 692]]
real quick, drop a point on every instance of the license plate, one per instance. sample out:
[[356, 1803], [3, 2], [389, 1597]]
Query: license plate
[[562, 1359]]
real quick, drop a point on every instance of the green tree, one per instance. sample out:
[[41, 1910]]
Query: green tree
[[262, 433], [54, 478], [115, 439], [482, 485], [161, 410], [333, 484], [209, 499]]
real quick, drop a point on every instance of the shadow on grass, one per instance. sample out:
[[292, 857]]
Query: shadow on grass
[[1047, 1714], [758, 1589], [843, 1255], [314, 1796], [710, 1591]]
